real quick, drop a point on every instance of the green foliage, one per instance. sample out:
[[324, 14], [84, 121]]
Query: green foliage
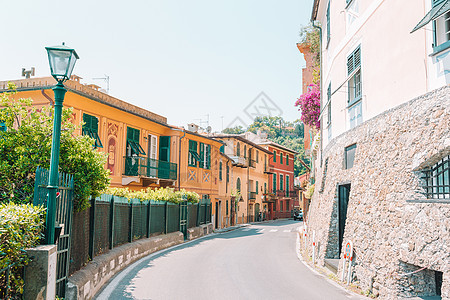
[[281, 132], [161, 194], [26, 144], [21, 227], [309, 191], [310, 35], [234, 130]]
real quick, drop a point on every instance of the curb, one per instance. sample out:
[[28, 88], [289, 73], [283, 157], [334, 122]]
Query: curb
[[312, 269]]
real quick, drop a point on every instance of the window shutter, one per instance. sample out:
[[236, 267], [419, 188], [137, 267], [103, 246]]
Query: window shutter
[[202, 155], [208, 158], [257, 187], [164, 148], [220, 170], [222, 149], [350, 65], [287, 159], [274, 156]]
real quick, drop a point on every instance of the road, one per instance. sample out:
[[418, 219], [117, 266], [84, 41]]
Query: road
[[254, 262]]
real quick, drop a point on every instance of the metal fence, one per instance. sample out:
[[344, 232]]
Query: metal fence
[[64, 205], [114, 221], [5, 281]]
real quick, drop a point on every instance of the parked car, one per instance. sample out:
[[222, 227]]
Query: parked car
[[298, 216]]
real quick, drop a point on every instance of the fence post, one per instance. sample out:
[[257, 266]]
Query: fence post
[[166, 212], [92, 228], [130, 225], [149, 212], [198, 213], [111, 223]]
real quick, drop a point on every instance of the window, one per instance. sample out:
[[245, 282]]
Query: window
[[287, 159], [245, 151], [274, 182], [281, 205], [205, 156], [257, 187], [287, 185], [228, 173], [220, 171], [349, 156], [281, 158], [436, 180], [164, 148], [226, 208], [238, 149], [328, 23], [222, 149], [265, 188], [257, 156], [354, 88], [193, 157], [440, 16], [238, 184], [274, 156], [281, 182], [133, 146], [90, 128]]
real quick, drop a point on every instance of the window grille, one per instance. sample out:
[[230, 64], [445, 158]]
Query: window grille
[[435, 180]]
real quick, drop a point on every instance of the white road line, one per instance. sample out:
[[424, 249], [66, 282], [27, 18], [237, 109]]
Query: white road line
[[273, 230], [262, 229]]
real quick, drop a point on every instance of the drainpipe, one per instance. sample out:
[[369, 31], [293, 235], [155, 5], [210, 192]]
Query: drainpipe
[[321, 96]]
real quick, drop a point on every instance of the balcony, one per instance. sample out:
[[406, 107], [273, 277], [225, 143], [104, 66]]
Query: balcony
[[286, 194], [252, 196], [240, 161], [149, 168], [268, 169]]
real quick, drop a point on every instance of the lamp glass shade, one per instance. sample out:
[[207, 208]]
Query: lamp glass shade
[[62, 61]]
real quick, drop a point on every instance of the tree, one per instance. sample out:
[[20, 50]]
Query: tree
[[25, 144], [234, 130]]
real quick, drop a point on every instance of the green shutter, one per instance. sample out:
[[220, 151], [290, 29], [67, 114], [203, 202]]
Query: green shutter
[[164, 148], [90, 128], [193, 155], [281, 182], [257, 187], [220, 170], [328, 22], [281, 158], [202, 155], [274, 183], [238, 149], [133, 141], [208, 156], [274, 156], [287, 183], [222, 149], [287, 159]]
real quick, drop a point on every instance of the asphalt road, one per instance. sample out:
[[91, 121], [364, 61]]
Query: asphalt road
[[254, 262]]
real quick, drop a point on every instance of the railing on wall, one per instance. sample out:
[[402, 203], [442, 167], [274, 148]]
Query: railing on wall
[[149, 167]]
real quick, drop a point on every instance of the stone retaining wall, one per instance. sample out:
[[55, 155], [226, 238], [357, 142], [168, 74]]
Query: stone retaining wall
[[394, 228]]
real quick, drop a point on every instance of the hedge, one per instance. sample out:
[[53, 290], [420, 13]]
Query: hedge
[[21, 227]]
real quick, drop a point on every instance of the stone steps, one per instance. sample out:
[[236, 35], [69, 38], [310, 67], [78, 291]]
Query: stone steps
[[332, 264]]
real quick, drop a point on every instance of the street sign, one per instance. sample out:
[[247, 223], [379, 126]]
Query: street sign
[[348, 251]]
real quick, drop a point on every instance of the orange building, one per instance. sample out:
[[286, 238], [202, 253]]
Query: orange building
[[247, 176], [143, 150]]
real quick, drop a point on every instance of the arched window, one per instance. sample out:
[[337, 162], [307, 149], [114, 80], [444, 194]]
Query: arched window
[[238, 149], [238, 184]]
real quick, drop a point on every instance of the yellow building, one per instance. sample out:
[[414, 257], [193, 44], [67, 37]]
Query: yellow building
[[247, 176], [143, 150]]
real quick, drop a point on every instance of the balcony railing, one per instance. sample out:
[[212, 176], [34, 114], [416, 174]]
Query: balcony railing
[[240, 161], [288, 194], [252, 163], [252, 195], [149, 167]]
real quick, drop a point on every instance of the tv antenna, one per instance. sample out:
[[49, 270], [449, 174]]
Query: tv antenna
[[28, 73], [106, 79]]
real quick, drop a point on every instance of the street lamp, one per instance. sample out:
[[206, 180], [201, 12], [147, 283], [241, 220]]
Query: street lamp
[[62, 60]]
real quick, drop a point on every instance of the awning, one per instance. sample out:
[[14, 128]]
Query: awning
[[433, 14]]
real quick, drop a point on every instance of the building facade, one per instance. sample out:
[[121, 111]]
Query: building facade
[[382, 167]]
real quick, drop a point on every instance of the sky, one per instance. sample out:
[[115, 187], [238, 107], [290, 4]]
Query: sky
[[222, 61]]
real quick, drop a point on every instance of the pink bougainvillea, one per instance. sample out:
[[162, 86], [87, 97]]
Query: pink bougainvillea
[[309, 105]]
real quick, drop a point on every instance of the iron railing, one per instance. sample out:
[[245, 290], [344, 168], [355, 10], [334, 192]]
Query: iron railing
[[5, 281], [149, 167], [252, 163], [268, 169], [252, 195], [240, 161]]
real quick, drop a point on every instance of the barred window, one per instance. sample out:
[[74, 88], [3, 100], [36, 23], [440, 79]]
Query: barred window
[[435, 180]]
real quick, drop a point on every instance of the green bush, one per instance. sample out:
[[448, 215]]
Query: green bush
[[161, 194], [26, 144], [21, 227]]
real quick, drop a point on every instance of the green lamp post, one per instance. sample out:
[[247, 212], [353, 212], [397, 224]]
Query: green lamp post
[[62, 60]]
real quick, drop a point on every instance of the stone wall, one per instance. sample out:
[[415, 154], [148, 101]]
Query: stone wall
[[389, 220]]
